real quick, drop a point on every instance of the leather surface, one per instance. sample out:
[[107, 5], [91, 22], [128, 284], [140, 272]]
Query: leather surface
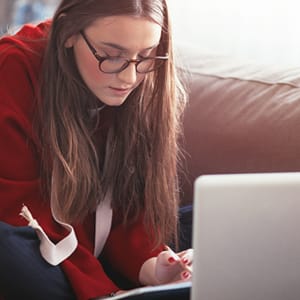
[[240, 118]]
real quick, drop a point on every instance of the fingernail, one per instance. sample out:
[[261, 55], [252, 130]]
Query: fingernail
[[171, 259], [185, 260], [186, 274]]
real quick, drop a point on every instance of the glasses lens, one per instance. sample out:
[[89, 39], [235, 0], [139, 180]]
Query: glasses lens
[[149, 65], [118, 64], [113, 64]]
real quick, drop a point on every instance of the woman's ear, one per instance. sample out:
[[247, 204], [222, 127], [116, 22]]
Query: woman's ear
[[70, 41]]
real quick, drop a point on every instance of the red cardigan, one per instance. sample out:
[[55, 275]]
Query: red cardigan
[[126, 248]]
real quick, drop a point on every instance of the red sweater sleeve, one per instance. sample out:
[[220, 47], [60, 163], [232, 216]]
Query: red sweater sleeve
[[19, 161], [128, 247], [20, 165]]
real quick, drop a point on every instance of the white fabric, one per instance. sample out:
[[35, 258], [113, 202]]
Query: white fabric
[[54, 254], [102, 224]]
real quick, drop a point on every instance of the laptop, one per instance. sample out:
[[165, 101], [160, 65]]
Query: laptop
[[246, 237]]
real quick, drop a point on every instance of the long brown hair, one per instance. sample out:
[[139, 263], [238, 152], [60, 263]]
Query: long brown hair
[[140, 168]]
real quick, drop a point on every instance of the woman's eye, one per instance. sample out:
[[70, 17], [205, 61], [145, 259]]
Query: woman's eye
[[109, 54], [115, 58]]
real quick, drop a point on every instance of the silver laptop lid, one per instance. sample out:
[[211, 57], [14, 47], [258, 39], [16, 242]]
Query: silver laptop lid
[[246, 237]]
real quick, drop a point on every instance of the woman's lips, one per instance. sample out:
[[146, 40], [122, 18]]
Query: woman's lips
[[120, 91]]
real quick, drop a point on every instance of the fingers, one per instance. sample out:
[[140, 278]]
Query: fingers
[[167, 268], [187, 257], [173, 267], [168, 258], [184, 258], [186, 275]]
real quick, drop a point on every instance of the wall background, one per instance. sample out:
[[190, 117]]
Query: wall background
[[261, 31], [14, 13]]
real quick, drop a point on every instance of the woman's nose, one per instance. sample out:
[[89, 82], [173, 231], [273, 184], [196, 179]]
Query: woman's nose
[[128, 75]]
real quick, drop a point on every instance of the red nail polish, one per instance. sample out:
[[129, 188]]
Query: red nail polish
[[186, 274], [185, 260], [171, 259]]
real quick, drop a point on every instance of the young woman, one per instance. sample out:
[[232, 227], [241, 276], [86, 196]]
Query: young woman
[[89, 121]]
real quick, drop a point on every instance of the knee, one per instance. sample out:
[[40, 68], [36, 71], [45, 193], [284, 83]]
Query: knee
[[14, 241]]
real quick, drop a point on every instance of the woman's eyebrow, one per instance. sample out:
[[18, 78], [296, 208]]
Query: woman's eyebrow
[[119, 47]]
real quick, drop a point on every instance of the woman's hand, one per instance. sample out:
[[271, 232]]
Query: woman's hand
[[172, 267], [167, 267]]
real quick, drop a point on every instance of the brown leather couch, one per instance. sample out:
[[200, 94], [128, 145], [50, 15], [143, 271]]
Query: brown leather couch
[[241, 117]]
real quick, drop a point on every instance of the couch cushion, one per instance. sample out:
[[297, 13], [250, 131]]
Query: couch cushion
[[241, 117]]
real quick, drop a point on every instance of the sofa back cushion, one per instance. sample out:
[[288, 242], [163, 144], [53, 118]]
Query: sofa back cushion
[[241, 118]]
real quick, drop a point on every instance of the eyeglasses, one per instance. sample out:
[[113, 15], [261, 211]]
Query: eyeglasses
[[116, 64]]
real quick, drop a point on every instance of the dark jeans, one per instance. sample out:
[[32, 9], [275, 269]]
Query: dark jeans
[[185, 229], [28, 276]]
